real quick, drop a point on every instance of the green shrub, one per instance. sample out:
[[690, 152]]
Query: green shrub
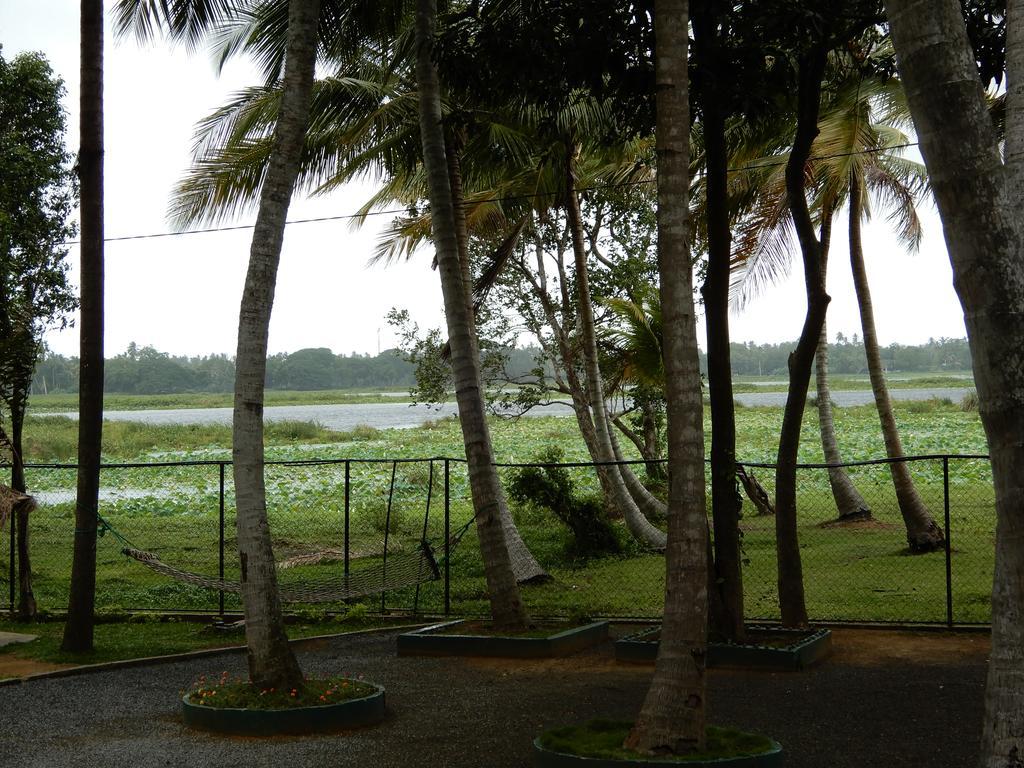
[[552, 488], [926, 406]]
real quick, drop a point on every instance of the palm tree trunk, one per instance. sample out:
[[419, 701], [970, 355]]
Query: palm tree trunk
[[923, 535], [725, 500], [792, 604], [524, 564], [272, 663], [507, 609], [78, 631], [639, 526], [27, 607], [849, 503], [672, 716], [649, 504], [979, 200], [577, 393]]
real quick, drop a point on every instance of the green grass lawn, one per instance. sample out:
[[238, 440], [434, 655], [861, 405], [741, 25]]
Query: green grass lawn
[[855, 573]]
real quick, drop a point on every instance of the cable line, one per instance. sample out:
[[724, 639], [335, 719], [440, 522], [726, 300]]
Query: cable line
[[754, 165]]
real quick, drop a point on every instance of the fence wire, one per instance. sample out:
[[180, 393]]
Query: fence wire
[[330, 517]]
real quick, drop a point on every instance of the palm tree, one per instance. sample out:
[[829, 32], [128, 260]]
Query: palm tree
[[860, 144], [364, 121], [507, 609], [271, 661], [857, 155], [899, 183], [977, 186], [849, 503], [78, 631], [672, 716]]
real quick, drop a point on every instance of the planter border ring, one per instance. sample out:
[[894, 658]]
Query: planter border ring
[[324, 718], [547, 758]]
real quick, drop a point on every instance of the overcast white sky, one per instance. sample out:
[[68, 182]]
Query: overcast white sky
[[181, 294]]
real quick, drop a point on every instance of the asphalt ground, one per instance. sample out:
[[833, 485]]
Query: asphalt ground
[[883, 699]]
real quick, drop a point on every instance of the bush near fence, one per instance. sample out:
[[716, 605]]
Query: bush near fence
[[332, 514]]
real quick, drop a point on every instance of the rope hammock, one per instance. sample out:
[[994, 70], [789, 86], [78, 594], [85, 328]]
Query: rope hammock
[[394, 571]]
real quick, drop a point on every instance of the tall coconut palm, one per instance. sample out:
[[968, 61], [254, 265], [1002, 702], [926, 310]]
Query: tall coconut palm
[[856, 157], [979, 192], [361, 124], [763, 252], [849, 503], [78, 631], [507, 609], [860, 144], [272, 663], [672, 716]]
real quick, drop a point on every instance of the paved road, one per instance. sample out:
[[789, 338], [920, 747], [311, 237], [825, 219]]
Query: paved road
[[890, 709]]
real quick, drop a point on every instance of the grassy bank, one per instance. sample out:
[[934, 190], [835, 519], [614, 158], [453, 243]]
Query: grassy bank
[[62, 401], [55, 438], [838, 383], [930, 426], [852, 572]]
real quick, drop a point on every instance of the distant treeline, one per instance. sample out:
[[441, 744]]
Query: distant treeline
[[147, 371], [846, 356]]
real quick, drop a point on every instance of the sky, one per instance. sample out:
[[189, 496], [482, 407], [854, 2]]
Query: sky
[[181, 294]]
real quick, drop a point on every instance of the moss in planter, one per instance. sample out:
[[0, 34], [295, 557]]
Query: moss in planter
[[224, 693], [486, 629], [602, 739]]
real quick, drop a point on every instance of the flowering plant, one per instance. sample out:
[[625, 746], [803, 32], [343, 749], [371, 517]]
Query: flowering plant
[[225, 692]]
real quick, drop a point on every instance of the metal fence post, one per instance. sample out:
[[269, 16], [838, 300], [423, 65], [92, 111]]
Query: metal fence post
[[221, 547], [14, 572], [387, 533], [949, 550], [348, 470], [447, 540]]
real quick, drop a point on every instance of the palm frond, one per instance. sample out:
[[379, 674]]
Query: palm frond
[[185, 21], [495, 261]]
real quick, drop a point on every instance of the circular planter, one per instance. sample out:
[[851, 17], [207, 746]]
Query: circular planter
[[547, 758], [353, 713]]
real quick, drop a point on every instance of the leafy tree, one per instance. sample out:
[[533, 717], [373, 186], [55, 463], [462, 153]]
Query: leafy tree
[[36, 199]]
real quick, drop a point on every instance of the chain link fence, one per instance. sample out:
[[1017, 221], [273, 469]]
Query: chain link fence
[[341, 516]]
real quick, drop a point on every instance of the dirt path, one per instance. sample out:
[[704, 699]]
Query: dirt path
[[881, 646], [11, 666]]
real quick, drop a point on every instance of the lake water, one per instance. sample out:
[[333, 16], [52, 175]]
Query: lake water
[[405, 415]]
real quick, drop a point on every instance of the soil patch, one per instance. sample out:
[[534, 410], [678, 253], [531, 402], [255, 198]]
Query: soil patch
[[486, 629], [858, 525], [878, 646], [11, 666]]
